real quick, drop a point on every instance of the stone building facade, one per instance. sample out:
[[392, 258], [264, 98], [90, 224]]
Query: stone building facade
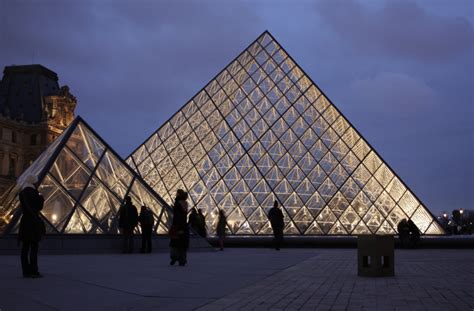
[[34, 110]]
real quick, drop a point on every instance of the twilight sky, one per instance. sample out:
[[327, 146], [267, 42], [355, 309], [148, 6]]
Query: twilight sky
[[401, 71]]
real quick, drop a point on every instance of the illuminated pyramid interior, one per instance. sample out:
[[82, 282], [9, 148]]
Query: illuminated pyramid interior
[[83, 182], [263, 131]]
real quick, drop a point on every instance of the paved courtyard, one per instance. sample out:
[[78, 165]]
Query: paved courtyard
[[241, 279]]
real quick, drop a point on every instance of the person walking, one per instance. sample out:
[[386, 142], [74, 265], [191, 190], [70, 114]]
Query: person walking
[[146, 223], [275, 216], [128, 219], [179, 232], [220, 229], [32, 227]]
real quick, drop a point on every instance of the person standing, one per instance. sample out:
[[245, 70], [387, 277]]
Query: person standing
[[179, 232], [220, 229], [146, 223], [403, 233], [275, 216], [414, 234], [31, 228], [127, 223]]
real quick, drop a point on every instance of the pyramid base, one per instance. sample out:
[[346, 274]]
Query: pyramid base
[[96, 244], [426, 242]]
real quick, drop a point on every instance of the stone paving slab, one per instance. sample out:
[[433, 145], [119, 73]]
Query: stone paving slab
[[241, 279], [425, 280], [137, 281]]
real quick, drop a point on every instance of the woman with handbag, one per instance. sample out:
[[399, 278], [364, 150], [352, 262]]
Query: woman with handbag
[[32, 227]]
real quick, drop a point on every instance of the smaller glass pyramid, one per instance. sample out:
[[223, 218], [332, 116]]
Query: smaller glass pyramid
[[83, 182]]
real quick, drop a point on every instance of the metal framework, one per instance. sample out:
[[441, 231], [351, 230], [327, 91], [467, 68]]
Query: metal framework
[[262, 130], [83, 182]]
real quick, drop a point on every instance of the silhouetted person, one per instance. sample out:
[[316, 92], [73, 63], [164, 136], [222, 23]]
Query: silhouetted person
[[201, 222], [127, 222], [414, 233], [193, 220], [146, 223], [32, 227], [179, 232], [403, 233], [220, 228], [276, 220]]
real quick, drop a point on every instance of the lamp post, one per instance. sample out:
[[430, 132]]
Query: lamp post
[[461, 212]]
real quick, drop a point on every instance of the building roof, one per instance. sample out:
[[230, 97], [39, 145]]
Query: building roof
[[22, 91]]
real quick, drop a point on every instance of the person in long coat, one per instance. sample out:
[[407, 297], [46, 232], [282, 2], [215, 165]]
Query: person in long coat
[[127, 222], [220, 228], [275, 216], [32, 227], [179, 232], [403, 233]]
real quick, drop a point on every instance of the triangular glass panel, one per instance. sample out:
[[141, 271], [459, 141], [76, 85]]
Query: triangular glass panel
[[337, 229], [385, 229], [81, 223], [235, 219], [314, 229], [303, 219], [434, 228], [349, 219], [326, 220], [257, 219], [245, 229], [361, 229]]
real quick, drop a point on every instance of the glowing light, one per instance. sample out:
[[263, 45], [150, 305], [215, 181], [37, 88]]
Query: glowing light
[[54, 217]]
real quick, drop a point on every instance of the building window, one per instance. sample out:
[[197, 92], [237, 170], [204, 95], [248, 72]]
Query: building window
[[13, 137], [11, 167], [33, 139]]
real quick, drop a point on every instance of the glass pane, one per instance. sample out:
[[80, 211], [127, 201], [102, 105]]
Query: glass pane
[[142, 197], [85, 146], [80, 223], [58, 206], [101, 204], [70, 173], [114, 174]]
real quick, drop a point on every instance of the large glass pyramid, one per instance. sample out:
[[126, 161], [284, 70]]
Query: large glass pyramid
[[83, 182], [261, 131]]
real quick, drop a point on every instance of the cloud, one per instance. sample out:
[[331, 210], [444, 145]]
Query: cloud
[[394, 94], [399, 28]]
